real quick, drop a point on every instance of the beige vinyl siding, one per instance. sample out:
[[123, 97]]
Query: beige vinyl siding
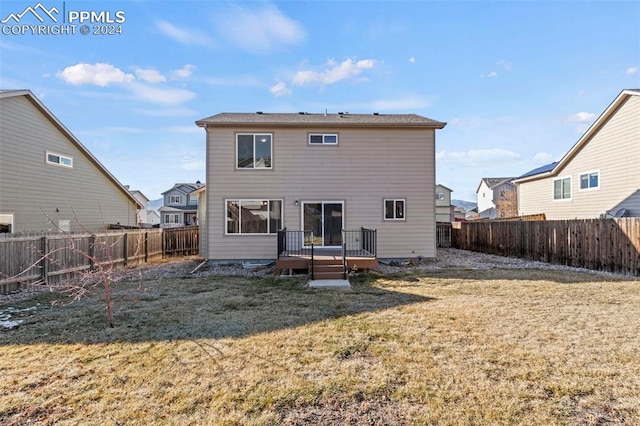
[[614, 151], [40, 193], [366, 167]]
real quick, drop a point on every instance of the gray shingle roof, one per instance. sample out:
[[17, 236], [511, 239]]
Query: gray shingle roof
[[306, 119], [491, 182]]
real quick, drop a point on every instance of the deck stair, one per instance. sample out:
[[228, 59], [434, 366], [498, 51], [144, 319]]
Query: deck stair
[[328, 268]]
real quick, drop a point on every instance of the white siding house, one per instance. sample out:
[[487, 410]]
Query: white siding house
[[319, 172], [49, 180], [598, 176]]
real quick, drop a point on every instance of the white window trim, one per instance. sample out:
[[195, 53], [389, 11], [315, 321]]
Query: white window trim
[[553, 192], [254, 134], [384, 209], [440, 196], [594, 188], [323, 139], [59, 163], [175, 203], [254, 200], [12, 220], [166, 216]]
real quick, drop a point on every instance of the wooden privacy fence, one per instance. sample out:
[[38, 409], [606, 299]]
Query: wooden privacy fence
[[53, 258], [599, 244]]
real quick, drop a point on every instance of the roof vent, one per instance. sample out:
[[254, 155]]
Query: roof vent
[[340, 113], [258, 112], [376, 113], [301, 112]]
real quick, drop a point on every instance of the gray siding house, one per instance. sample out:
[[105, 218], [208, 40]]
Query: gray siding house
[[49, 181], [444, 209], [598, 176], [322, 173], [180, 207]]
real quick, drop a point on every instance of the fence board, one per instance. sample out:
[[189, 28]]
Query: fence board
[[599, 244], [54, 257]]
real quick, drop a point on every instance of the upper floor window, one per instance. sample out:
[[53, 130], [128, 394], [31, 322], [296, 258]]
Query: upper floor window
[[253, 151], [59, 160], [323, 139], [394, 209], [439, 195], [589, 180], [562, 189], [175, 199]]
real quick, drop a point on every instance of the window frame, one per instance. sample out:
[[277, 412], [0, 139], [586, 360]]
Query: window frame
[[252, 200], [175, 203], [395, 209], [553, 188], [588, 175], [254, 134], [176, 215], [323, 136], [11, 223], [60, 157]]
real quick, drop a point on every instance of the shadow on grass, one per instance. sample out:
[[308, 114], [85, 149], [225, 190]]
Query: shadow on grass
[[193, 308]]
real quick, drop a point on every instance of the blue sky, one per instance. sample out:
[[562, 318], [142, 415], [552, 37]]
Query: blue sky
[[517, 82]]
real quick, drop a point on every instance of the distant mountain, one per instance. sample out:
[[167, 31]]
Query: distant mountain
[[155, 204], [466, 205]]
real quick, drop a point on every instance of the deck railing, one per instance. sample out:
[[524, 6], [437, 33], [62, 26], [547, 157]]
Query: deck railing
[[360, 243], [295, 243]]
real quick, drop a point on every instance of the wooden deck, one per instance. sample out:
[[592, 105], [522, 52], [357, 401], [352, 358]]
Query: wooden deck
[[301, 259]]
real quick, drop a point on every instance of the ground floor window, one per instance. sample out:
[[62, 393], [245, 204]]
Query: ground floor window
[[253, 216], [172, 218], [394, 209], [6, 223]]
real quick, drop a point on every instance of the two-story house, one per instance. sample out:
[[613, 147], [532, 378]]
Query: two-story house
[[49, 181], [598, 176], [497, 197], [319, 176], [445, 212], [180, 207]]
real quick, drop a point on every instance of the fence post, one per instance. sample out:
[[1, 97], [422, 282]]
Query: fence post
[[92, 252], [125, 243], [44, 249], [146, 246]]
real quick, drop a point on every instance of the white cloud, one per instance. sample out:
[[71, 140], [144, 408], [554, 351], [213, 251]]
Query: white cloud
[[241, 81], [182, 35], [333, 72], [632, 70], [162, 95], [280, 89], [100, 74], [581, 117], [504, 64], [492, 74], [542, 158], [478, 157], [412, 59], [260, 30], [150, 75], [183, 73]]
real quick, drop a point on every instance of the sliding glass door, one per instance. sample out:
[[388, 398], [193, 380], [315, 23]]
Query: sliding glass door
[[326, 220]]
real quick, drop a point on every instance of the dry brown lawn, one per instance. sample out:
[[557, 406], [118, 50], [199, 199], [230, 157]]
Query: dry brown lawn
[[472, 347]]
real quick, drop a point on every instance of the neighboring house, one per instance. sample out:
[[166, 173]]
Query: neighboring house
[[444, 209], [471, 214], [598, 176], [49, 181], [321, 173], [497, 197], [180, 208], [142, 201], [153, 218]]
